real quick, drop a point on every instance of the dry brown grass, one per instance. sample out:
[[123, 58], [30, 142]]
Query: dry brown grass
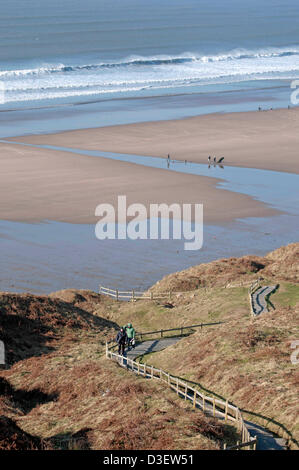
[[68, 396], [248, 363], [116, 409], [281, 264], [59, 391], [31, 325]]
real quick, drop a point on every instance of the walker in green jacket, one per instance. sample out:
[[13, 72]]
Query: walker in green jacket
[[130, 334]]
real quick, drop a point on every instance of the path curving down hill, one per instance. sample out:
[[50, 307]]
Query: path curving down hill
[[258, 299], [266, 440]]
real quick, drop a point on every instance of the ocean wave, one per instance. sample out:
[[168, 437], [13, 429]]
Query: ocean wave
[[147, 62], [133, 74], [71, 92]]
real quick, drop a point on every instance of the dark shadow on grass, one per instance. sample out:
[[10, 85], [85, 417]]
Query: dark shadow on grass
[[266, 420], [23, 338], [71, 441], [267, 298], [25, 400]]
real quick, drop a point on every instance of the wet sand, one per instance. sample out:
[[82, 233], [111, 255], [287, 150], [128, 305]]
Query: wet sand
[[41, 184], [260, 139], [54, 185]]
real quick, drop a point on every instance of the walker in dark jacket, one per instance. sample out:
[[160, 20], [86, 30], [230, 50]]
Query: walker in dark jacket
[[121, 339]]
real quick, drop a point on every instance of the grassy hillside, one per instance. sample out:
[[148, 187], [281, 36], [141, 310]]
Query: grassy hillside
[[246, 360], [59, 391]]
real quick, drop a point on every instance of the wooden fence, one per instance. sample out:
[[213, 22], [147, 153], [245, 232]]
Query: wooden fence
[[180, 330], [252, 288], [134, 294], [254, 285], [209, 405]]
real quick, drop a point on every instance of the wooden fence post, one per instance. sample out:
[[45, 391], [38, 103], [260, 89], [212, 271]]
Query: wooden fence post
[[251, 443], [133, 294], [117, 294], [152, 295]]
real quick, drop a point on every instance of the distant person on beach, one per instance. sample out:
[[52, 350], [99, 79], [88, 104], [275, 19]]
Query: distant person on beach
[[209, 159], [130, 332], [168, 161], [121, 339]]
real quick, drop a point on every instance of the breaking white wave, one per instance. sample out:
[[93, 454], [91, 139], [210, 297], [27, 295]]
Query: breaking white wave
[[133, 74]]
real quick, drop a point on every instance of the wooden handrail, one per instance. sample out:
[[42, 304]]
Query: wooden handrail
[[251, 443], [179, 328], [230, 412], [252, 288], [150, 295]]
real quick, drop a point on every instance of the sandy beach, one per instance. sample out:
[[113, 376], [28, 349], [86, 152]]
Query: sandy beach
[[38, 184], [262, 139], [143, 85], [41, 184]]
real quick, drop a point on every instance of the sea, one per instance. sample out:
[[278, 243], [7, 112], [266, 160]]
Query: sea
[[68, 64], [74, 64]]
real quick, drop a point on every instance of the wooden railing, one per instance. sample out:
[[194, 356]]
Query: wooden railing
[[180, 330], [252, 288], [161, 333], [209, 405], [134, 294]]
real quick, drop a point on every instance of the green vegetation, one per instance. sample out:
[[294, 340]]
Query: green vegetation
[[286, 295], [60, 392]]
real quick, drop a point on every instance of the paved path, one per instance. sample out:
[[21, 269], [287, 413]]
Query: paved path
[[266, 441], [259, 303], [155, 345]]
